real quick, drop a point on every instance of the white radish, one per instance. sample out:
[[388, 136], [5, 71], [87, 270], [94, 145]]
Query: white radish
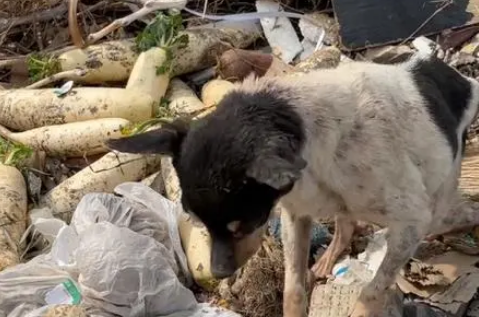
[[101, 176], [182, 99], [213, 91], [13, 214], [106, 62], [147, 75], [25, 109], [81, 138]]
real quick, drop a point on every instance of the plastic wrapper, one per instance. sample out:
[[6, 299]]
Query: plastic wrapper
[[25, 286], [120, 256]]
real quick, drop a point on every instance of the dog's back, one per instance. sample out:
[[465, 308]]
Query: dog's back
[[368, 125]]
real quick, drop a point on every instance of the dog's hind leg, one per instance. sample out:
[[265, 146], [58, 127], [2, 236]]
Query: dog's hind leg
[[343, 233], [295, 237], [409, 221]]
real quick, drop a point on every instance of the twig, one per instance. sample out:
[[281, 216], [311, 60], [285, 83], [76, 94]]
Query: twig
[[74, 74], [149, 6], [10, 62], [118, 23], [41, 16], [73, 26], [441, 8]]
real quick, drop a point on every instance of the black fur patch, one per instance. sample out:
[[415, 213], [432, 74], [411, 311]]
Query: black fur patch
[[447, 94], [217, 152]]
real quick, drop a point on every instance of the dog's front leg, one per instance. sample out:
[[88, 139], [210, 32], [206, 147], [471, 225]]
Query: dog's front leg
[[296, 241]]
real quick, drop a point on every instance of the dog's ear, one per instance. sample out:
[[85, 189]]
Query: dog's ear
[[165, 140], [275, 171]]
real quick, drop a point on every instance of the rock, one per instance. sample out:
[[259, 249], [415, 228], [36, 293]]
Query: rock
[[388, 54]]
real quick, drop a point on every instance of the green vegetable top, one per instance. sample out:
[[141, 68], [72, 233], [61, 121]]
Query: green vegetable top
[[40, 66], [163, 32]]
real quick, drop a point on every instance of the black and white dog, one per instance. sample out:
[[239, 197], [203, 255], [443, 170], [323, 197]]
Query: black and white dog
[[378, 143]]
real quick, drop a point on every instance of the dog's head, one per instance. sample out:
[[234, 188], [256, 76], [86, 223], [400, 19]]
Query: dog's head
[[232, 166]]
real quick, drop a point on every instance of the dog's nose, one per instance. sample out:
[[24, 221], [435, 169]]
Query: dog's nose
[[222, 271]]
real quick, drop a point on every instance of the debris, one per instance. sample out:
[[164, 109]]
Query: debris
[[388, 54], [371, 23], [236, 64], [455, 38], [472, 48], [313, 36], [257, 289], [468, 182], [64, 89], [333, 300], [447, 281], [337, 300], [64, 311], [325, 27], [279, 32], [155, 182], [464, 242], [325, 58]]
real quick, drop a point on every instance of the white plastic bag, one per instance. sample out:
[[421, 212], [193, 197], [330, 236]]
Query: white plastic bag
[[167, 210], [26, 285], [123, 273], [119, 252]]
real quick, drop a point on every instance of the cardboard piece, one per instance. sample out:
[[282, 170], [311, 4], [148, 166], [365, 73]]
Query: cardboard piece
[[337, 300], [448, 281]]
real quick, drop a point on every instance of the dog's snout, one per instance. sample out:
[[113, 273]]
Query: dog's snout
[[223, 262], [222, 271]]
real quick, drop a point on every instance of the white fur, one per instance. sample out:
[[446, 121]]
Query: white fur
[[375, 154]]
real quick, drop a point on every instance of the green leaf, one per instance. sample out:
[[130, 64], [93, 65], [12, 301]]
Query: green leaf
[[13, 153]]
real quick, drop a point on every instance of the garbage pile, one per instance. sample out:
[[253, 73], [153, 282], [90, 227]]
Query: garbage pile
[[85, 231]]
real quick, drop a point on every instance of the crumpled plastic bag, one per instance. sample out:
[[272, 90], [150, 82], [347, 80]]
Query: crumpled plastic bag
[[25, 285], [120, 253], [169, 211], [127, 274], [362, 270]]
